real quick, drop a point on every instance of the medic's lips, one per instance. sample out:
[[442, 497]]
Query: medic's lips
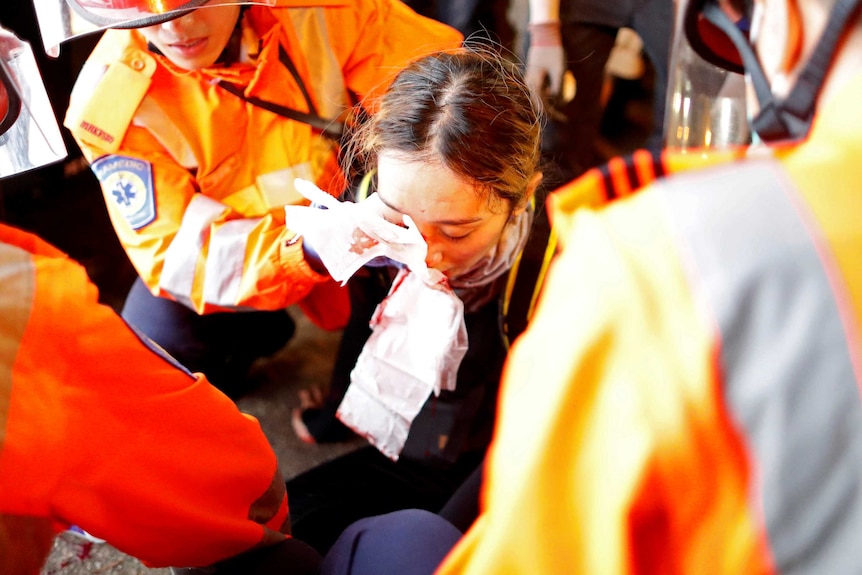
[[189, 48]]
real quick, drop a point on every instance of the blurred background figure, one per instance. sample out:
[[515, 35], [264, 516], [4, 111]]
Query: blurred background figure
[[578, 37], [482, 20]]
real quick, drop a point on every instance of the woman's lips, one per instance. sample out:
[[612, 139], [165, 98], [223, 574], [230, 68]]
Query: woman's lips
[[189, 48]]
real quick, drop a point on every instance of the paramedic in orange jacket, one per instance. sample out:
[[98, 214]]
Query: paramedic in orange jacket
[[100, 429], [195, 170], [687, 397]]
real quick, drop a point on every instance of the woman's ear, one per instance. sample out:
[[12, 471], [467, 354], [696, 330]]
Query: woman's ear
[[529, 193]]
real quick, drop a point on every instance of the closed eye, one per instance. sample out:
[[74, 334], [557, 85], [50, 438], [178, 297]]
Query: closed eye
[[455, 237]]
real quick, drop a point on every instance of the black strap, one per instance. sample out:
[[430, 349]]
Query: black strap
[[285, 60], [333, 129], [792, 116], [529, 274]]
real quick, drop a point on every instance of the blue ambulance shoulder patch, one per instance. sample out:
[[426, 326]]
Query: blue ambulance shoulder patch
[[128, 183]]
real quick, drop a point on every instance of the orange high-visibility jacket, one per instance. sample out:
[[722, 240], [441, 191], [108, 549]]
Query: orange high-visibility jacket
[[100, 430], [686, 398], [195, 178]]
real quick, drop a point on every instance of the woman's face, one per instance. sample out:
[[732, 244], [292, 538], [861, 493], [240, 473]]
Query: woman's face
[[459, 225], [196, 40]]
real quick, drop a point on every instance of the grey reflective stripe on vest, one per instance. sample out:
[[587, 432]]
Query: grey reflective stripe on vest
[[788, 378], [17, 288]]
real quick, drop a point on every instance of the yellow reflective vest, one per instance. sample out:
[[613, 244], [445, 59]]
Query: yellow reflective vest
[[686, 398]]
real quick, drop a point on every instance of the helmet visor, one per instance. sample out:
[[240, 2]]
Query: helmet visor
[[62, 20], [708, 40], [131, 13], [29, 135]]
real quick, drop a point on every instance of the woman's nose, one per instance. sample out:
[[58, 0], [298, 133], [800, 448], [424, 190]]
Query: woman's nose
[[434, 257]]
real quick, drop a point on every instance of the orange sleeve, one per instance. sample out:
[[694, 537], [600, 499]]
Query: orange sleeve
[[107, 433], [195, 188], [275, 273]]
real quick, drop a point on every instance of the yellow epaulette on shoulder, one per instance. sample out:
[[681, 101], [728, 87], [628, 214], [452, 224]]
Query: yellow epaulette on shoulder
[[107, 94]]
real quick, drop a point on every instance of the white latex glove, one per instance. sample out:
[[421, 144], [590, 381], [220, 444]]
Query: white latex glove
[[346, 235], [546, 61], [544, 71]]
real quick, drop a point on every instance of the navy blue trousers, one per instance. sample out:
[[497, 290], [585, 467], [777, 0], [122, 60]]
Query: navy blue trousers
[[407, 542], [221, 345]]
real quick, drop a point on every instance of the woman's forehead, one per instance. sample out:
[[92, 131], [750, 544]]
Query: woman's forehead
[[428, 190]]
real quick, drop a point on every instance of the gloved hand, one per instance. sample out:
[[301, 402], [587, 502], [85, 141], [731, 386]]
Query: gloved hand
[[546, 61], [346, 235]]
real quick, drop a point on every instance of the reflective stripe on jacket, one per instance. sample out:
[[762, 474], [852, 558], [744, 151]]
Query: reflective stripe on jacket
[[222, 168], [686, 398], [100, 430]]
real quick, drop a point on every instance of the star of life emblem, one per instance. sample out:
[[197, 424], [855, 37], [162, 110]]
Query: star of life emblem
[[128, 185]]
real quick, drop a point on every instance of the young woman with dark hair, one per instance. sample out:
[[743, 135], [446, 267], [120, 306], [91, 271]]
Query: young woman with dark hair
[[454, 145]]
